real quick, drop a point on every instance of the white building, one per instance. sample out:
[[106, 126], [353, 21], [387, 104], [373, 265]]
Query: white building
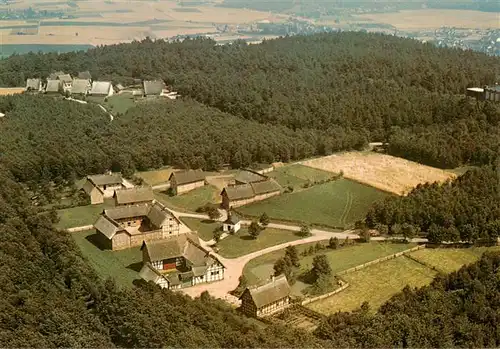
[[232, 224]]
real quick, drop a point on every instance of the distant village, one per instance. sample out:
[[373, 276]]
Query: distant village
[[81, 86]]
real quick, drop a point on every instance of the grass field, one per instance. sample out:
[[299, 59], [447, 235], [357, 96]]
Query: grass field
[[120, 103], [260, 268], [451, 259], [385, 172], [241, 243], [79, 216], [298, 175], [122, 266], [204, 228], [9, 49], [375, 284], [338, 204], [156, 176], [190, 201]]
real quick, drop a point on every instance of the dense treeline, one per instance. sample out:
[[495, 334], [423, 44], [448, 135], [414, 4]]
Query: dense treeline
[[50, 297], [466, 209], [369, 84], [457, 310], [46, 138]]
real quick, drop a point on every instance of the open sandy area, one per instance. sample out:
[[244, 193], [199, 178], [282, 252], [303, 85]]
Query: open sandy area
[[10, 90], [384, 172], [430, 19]]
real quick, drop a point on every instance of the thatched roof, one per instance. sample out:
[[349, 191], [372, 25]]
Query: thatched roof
[[84, 75], [189, 176], [122, 212], [100, 180], [248, 176], [33, 84], [247, 191], [107, 226], [153, 87], [80, 86], [65, 78], [100, 88], [133, 195], [52, 86], [274, 290], [270, 186]]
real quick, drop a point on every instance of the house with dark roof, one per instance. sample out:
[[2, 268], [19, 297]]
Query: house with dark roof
[[85, 75], [153, 88], [34, 85], [134, 196], [184, 181], [243, 194], [127, 226], [266, 299], [53, 86], [179, 261], [232, 224], [99, 187], [246, 176], [80, 87], [101, 88]]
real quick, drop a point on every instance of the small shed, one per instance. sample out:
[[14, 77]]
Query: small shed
[[267, 299], [232, 224]]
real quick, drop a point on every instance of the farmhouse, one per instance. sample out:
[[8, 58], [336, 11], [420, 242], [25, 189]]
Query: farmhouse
[[34, 85], [53, 86], [184, 181], [239, 195], [153, 88], [178, 262], [262, 168], [99, 187], [488, 93], [66, 81], [127, 226], [80, 87], [133, 196], [246, 176], [84, 75], [272, 297], [101, 88], [232, 224]]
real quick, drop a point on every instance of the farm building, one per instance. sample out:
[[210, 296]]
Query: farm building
[[99, 187], [85, 75], [262, 168], [53, 76], [267, 299], [179, 262], [243, 194], [133, 196], [184, 181], [127, 226], [66, 81], [488, 93], [80, 87], [34, 85], [232, 224], [101, 88], [153, 88], [53, 86], [246, 176]]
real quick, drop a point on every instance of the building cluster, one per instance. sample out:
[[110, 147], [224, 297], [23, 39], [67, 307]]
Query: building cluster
[[83, 85], [487, 93], [171, 258]]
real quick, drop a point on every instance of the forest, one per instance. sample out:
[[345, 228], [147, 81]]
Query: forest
[[376, 87]]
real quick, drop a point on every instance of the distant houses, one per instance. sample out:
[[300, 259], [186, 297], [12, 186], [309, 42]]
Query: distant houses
[[179, 261], [488, 93], [267, 299], [184, 181], [243, 194], [34, 85], [154, 88], [99, 187], [128, 226]]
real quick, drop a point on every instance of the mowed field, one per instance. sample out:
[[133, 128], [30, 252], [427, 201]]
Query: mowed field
[[297, 175], [385, 172], [191, 200], [432, 18], [335, 204]]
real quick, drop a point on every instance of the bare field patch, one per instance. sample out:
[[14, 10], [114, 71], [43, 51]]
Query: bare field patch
[[428, 19], [10, 90], [384, 172]]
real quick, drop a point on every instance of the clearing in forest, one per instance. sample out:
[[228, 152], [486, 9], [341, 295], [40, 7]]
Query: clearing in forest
[[335, 204], [297, 175], [156, 177], [384, 172]]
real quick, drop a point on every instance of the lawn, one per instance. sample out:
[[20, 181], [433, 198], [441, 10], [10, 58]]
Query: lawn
[[79, 216], [261, 268], [241, 243], [448, 260], [204, 228], [156, 177], [120, 103], [298, 175], [375, 284], [336, 204], [123, 266], [190, 201]]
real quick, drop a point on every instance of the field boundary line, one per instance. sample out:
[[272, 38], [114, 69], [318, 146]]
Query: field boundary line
[[379, 260], [81, 228], [425, 264], [326, 295], [347, 208]]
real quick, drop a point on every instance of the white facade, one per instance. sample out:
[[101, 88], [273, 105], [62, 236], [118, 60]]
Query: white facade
[[227, 227]]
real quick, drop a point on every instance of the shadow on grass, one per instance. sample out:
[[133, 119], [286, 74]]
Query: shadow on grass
[[307, 277], [246, 237], [137, 266], [207, 221], [99, 241]]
